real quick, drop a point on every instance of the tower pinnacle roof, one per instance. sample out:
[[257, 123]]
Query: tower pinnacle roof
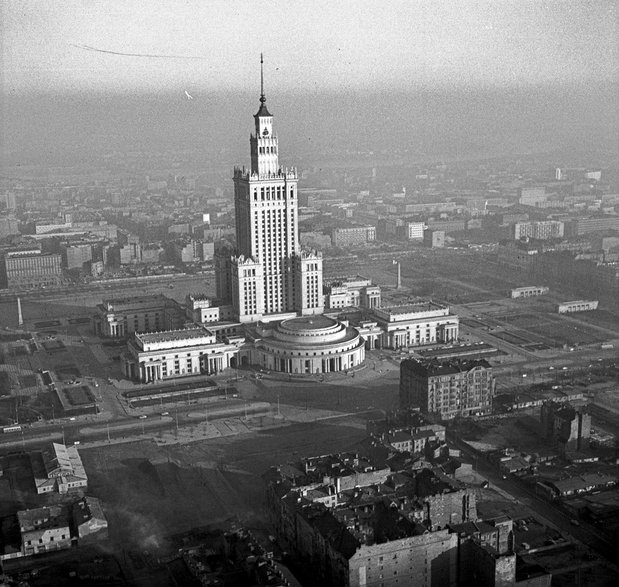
[[262, 111]]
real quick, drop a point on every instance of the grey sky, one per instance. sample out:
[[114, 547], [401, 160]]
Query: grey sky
[[343, 44]]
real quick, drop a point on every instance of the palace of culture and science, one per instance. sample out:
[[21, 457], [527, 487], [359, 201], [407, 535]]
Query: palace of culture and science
[[269, 307], [268, 274]]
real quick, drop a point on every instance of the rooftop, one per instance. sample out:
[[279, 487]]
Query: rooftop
[[437, 368], [173, 335], [309, 323], [424, 306]]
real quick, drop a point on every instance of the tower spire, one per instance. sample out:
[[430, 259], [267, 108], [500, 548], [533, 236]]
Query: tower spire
[[262, 96]]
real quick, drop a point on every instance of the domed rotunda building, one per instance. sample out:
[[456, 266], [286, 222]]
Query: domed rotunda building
[[308, 344]]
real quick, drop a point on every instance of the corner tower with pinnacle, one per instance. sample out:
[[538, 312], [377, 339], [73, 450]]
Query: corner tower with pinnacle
[[268, 274]]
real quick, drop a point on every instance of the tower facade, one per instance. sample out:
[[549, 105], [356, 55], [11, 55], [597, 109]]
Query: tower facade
[[268, 274]]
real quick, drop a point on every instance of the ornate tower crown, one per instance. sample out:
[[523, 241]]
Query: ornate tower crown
[[264, 152]]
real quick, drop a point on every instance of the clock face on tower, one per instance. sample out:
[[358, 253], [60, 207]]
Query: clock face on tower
[[265, 132]]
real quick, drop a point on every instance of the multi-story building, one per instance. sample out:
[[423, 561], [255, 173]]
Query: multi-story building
[[542, 230], [447, 389], [119, 317], [413, 231], [268, 274], [351, 291], [586, 225], [518, 254], [568, 426], [577, 306], [358, 525], [28, 269], [529, 291], [446, 226], [8, 225], [532, 196], [434, 239], [416, 324], [353, 236], [76, 255], [44, 529]]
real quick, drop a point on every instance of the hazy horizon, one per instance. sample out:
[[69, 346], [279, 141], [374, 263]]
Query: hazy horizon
[[457, 78], [446, 122]]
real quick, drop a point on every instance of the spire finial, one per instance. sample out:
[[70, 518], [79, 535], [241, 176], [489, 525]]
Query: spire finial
[[262, 97]]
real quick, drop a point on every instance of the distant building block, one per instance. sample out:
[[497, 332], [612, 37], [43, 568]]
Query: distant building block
[[578, 306]]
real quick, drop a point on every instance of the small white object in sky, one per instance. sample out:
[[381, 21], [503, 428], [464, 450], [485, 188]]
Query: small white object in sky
[[189, 96]]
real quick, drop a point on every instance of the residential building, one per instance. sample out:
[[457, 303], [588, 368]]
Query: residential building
[[43, 530], [76, 255], [542, 230], [89, 519], [446, 226], [581, 226], [447, 388], [569, 426], [532, 196], [434, 239], [353, 236], [377, 527]]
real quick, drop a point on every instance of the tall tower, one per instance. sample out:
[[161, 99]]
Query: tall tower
[[266, 269]]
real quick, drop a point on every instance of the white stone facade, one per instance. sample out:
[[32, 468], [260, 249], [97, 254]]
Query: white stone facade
[[417, 324]]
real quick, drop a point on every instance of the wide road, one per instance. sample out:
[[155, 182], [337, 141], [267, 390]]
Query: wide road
[[71, 431]]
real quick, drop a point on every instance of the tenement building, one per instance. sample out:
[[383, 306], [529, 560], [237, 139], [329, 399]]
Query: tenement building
[[447, 388], [355, 524]]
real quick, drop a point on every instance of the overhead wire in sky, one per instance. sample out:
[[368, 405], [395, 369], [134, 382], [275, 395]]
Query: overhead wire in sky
[[148, 55]]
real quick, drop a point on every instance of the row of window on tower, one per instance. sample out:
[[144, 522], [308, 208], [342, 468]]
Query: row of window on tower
[[267, 150], [270, 193]]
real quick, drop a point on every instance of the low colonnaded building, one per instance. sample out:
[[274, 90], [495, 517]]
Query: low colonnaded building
[[195, 350], [577, 306], [416, 324], [308, 344], [529, 291]]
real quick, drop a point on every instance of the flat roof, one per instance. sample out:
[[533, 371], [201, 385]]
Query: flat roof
[[309, 323], [414, 307], [170, 335]]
